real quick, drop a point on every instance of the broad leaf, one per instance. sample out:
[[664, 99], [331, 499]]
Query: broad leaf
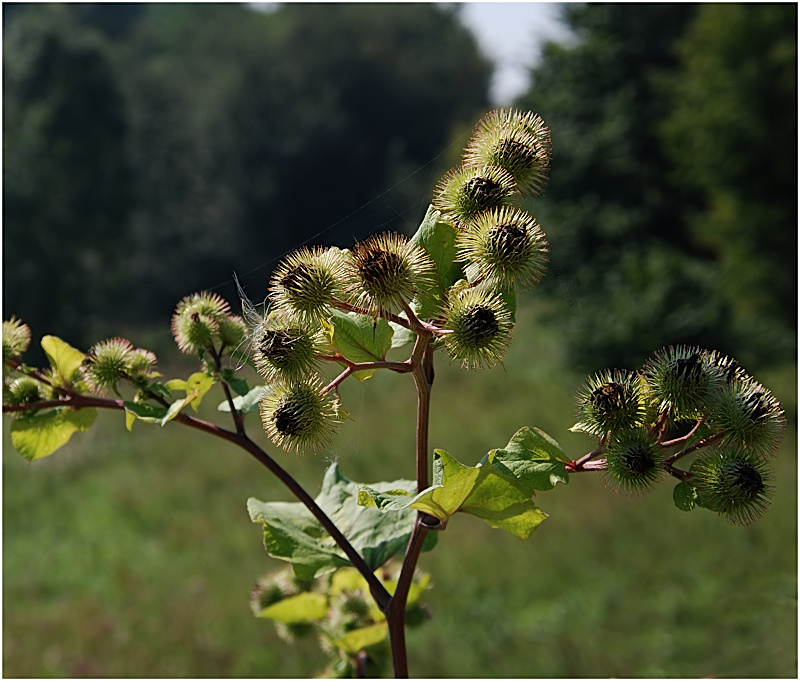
[[64, 359], [42, 434], [533, 458], [480, 491], [244, 404], [375, 536], [438, 238], [684, 496], [291, 533], [360, 338], [498, 489], [303, 607], [175, 407]]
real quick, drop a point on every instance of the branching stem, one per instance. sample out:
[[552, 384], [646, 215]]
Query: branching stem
[[422, 370], [580, 464], [684, 438], [238, 421], [711, 439], [75, 401]]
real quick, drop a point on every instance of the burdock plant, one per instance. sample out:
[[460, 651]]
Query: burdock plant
[[391, 303]]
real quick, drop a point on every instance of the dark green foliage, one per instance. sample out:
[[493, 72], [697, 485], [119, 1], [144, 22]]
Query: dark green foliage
[[645, 245], [67, 177], [732, 134], [192, 134]]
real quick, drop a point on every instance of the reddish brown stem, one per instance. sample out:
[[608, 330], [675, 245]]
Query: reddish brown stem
[[75, 401], [711, 439], [684, 438]]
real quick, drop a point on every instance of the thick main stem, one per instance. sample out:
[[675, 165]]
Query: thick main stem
[[422, 362]]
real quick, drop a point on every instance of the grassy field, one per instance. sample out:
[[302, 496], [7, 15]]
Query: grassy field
[[132, 555]]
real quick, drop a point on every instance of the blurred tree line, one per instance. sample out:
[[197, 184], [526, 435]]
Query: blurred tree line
[[153, 149], [672, 208]]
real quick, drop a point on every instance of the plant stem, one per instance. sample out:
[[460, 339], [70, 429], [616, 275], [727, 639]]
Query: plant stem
[[423, 379], [711, 439], [396, 612], [422, 363], [352, 367], [580, 464], [238, 421], [684, 438], [380, 594]]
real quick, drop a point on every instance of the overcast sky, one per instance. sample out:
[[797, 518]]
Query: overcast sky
[[512, 35]]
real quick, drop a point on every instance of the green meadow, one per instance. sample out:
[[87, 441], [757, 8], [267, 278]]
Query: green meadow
[[132, 554]]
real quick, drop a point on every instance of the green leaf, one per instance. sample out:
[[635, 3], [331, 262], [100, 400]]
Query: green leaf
[[239, 385], [175, 407], [64, 359], [42, 434], [304, 607], [391, 500], [161, 390], [685, 496], [533, 458], [198, 384], [438, 238], [244, 403], [498, 489], [291, 533], [350, 579], [347, 579], [358, 639], [146, 412], [401, 335], [360, 338]]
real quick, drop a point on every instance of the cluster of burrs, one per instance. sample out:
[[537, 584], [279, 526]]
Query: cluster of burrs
[[107, 363], [499, 249], [685, 400]]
